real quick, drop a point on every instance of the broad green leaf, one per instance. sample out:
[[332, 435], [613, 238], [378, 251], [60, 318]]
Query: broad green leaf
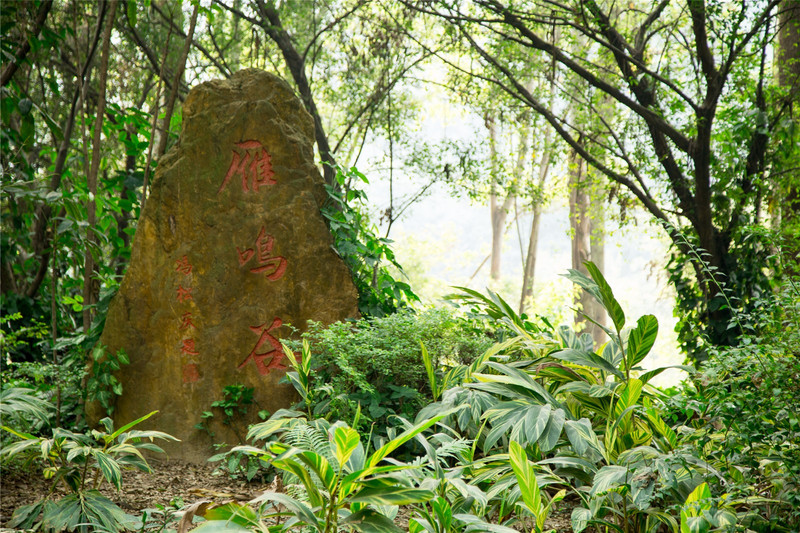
[[552, 431], [590, 359], [26, 515], [110, 468], [526, 478], [586, 283], [302, 511], [235, 515], [129, 425], [580, 519], [701, 492], [584, 440], [345, 442], [647, 376], [662, 428], [401, 439], [21, 445], [426, 360], [607, 296], [370, 521], [321, 467], [608, 478], [629, 396], [589, 389], [641, 339], [391, 495], [478, 525]]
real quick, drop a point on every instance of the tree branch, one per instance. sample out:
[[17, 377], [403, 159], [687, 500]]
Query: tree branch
[[25, 47]]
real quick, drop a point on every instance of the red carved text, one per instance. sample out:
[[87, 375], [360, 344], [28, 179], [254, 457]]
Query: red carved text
[[273, 266], [275, 349], [254, 167]]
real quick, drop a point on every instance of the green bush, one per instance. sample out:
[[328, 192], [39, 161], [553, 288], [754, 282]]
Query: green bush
[[376, 364], [741, 414]]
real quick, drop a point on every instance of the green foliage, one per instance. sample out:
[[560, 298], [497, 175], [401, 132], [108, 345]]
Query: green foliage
[[21, 407], [340, 484], [366, 254], [81, 462], [586, 415], [375, 365], [740, 415], [529, 488], [236, 400], [710, 314], [102, 384]]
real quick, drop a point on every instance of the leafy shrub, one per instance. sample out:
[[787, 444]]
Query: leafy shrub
[[741, 415], [81, 462], [584, 414], [367, 255], [376, 364], [336, 481]]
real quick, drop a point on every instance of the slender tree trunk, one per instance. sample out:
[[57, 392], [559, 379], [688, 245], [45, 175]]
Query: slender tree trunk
[[90, 287], [44, 211], [497, 211], [296, 64], [788, 65], [154, 112], [579, 228], [25, 47], [176, 82], [597, 255], [533, 242]]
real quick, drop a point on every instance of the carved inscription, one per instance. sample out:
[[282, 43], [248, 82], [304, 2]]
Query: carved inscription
[[251, 161], [274, 351], [190, 370], [272, 266]]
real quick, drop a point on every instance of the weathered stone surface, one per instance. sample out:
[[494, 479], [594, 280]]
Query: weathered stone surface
[[231, 248]]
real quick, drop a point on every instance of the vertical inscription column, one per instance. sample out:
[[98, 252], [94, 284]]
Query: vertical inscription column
[[253, 164], [183, 294]]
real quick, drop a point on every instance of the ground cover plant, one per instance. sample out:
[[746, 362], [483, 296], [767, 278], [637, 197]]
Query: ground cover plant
[[546, 415], [538, 418], [80, 462]]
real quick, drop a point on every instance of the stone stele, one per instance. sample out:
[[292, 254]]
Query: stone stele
[[230, 251]]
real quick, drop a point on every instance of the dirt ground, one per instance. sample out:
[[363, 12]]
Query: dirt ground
[[173, 484]]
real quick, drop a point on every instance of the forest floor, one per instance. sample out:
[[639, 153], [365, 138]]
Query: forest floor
[[173, 484]]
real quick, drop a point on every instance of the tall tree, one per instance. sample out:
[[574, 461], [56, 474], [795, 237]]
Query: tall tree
[[675, 70]]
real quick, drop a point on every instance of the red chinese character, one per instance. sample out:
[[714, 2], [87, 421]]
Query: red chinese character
[[188, 347], [184, 293], [186, 321], [276, 351], [273, 266], [184, 267], [190, 373], [256, 169], [245, 256]]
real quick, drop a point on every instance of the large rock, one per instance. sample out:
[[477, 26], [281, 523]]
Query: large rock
[[230, 250]]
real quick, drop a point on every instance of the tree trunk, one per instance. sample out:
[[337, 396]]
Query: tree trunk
[[580, 229], [90, 284], [296, 65], [533, 242], [25, 47], [176, 82], [597, 255], [788, 190]]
